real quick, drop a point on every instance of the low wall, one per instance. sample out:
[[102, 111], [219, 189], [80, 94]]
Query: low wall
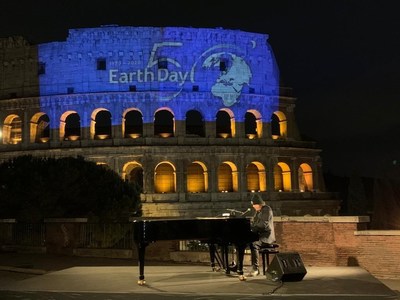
[[336, 241], [378, 252], [321, 241], [341, 241]]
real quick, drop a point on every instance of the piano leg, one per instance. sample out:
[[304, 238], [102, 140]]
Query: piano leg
[[213, 252], [240, 257], [225, 254], [216, 257], [141, 247]]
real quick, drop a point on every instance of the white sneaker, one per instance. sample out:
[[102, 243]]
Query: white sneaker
[[253, 273]]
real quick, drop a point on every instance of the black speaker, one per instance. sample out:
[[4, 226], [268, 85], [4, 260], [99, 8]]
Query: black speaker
[[286, 267]]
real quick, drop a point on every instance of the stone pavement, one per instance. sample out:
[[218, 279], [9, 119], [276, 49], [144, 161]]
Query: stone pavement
[[54, 273]]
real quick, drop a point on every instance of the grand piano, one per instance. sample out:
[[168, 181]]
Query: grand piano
[[216, 231]]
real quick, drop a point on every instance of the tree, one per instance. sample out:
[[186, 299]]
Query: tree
[[33, 188]]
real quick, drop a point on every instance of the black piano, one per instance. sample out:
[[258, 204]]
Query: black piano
[[221, 231]]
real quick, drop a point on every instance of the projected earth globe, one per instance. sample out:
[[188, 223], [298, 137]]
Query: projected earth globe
[[229, 84]]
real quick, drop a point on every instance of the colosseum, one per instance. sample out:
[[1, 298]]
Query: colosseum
[[196, 117]]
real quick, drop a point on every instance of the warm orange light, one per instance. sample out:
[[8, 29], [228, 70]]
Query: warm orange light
[[102, 136], [165, 134], [134, 135], [73, 137]]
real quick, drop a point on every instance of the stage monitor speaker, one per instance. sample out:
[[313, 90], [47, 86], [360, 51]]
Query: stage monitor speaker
[[286, 267]]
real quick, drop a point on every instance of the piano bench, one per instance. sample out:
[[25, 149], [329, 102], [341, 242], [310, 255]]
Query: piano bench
[[266, 251]]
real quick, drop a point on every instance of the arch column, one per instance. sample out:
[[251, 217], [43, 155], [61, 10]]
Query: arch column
[[266, 130], [295, 175], [148, 177], [270, 176], [240, 130], [116, 131], [180, 128], [210, 128], [148, 129], [180, 177], [25, 129], [212, 175], [318, 179]]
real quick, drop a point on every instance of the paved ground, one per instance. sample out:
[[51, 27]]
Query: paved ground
[[74, 276]]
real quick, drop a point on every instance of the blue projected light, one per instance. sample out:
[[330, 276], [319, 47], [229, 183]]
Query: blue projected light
[[229, 68]]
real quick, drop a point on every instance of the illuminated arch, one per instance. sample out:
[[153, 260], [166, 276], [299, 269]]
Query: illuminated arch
[[70, 126], [282, 177], [253, 124], [278, 125], [197, 177], [225, 123], [256, 177], [100, 124], [164, 122], [12, 130], [133, 173], [132, 123], [305, 178], [227, 177], [39, 128], [165, 178]]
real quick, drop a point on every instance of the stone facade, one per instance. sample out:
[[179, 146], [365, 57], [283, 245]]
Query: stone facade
[[135, 94]]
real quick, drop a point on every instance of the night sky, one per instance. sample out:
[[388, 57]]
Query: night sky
[[342, 59]]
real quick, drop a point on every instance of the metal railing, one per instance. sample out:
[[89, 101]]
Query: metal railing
[[23, 234], [105, 236], [88, 235]]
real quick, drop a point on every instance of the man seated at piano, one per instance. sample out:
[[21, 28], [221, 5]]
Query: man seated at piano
[[262, 224]]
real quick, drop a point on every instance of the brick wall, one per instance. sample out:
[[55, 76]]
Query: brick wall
[[378, 252], [341, 241], [336, 241]]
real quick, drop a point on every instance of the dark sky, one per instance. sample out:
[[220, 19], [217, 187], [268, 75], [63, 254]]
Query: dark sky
[[341, 57]]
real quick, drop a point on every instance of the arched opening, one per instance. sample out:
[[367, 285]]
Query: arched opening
[[70, 127], [133, 124], [250, 125], [225, 124], [197, 181], [40, 128], [282, 178], [164, 178], [227, 177], [253, 124], [194, 124], [164, 123], [12, 130], [102, 125], [133, 173], [305, 178], [278, 125], [256, 177]]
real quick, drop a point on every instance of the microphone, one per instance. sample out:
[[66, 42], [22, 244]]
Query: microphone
[[238, 211], [246, 211], [234, 210]]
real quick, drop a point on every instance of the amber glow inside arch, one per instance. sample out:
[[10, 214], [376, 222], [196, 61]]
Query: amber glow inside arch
[[165, 178]]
